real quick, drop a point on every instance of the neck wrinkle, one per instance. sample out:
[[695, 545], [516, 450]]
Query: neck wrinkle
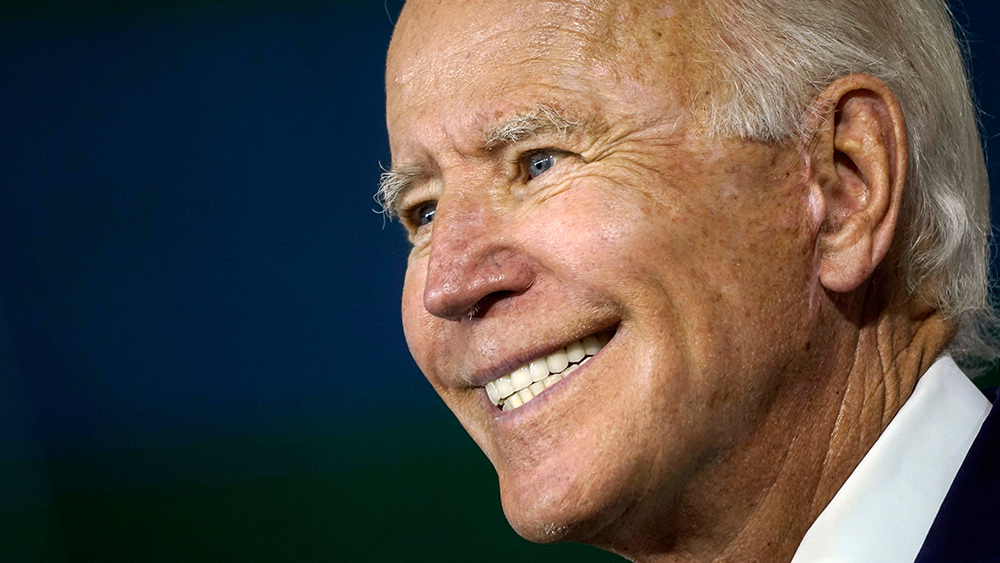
[[895, 346], [892, 349]]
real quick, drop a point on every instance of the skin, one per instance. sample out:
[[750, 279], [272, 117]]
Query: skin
[[761, 340]]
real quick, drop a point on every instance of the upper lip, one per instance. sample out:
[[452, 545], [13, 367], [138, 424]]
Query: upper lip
[[481, 377]]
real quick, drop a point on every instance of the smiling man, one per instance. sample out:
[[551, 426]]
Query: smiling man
[[692, 273]]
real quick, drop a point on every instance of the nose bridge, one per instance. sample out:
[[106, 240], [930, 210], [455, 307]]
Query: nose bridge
[[462, 233], [471, 261]]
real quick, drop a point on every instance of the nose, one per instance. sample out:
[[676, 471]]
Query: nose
[[473, 263]]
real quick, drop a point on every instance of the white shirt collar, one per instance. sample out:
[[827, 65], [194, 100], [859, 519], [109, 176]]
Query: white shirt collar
[[886, 507]]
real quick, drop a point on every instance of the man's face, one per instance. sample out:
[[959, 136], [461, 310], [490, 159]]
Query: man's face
[[574, 193]]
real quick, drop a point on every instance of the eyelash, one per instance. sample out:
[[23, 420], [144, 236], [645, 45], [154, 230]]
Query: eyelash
[[412, 216]]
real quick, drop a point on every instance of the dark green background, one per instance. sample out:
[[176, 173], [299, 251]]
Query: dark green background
[[200, 351]]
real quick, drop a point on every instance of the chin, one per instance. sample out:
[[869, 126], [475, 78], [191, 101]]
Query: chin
[[558, 509], [543, 523]]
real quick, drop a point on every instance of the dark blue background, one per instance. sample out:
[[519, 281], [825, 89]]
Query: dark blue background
[[200, 343]]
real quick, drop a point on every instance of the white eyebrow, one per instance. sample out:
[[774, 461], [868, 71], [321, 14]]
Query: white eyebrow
[[525, 125], [398, 180], [395, 182]]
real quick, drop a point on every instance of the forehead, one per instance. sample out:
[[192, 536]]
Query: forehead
[[450, 34], [492, 49]]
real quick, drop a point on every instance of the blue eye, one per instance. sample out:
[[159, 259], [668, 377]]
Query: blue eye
[[539, 163], [425, 213]]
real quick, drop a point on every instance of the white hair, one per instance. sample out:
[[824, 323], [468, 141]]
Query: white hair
[[774, 56]]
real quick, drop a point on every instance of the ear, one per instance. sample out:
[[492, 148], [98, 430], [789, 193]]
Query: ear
[[859, 157]]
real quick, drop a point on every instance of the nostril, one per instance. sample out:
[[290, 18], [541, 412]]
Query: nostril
[[472, 297], [483, 306], [453, 308], [467, 278]]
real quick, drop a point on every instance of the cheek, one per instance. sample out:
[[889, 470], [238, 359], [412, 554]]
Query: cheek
[[416, 321], [597, 233]]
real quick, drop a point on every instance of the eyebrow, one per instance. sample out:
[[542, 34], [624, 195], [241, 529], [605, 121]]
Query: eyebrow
[[394, 183], [398, 180], [523, 126]]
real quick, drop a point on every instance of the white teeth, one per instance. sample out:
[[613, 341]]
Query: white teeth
[[539, 369], [526, 382], [521, 378], [491, 390], [525, 395], [504, 388], [556, 361], [514, 401]]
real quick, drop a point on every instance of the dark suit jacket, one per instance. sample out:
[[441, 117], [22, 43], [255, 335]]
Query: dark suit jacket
[[967, 527]]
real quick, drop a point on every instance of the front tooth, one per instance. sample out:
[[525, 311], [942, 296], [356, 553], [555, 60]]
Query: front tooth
[[504, 387], [539, 370], [575, 352], [491, 390], [514, 401], [520, 379], [556, 362], [525, 395], [530, 379]]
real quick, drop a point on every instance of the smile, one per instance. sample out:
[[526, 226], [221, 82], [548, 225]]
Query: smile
[[528, 381]]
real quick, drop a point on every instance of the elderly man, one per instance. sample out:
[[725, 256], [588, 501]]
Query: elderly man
[[692, 273]]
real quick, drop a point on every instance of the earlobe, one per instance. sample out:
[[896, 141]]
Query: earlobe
[[859, 157]]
